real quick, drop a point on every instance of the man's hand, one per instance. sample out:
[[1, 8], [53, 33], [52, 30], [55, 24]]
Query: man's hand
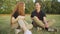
[[46, 25]]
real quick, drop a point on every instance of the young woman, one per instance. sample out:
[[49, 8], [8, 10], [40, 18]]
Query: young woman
[[39, 18], [18, 19]]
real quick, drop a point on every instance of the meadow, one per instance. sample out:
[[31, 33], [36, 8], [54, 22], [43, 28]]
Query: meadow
[[5, 24]]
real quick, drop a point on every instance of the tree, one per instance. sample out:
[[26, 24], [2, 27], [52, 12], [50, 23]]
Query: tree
[[50, 7]]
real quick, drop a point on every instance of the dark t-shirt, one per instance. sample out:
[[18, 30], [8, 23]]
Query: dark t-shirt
[[40, 15], [15, 15]]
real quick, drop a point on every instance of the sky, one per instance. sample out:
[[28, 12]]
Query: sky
[[34, 0], [59, 0]]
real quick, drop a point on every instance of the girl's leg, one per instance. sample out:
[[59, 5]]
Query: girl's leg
[[17, 31], [24, 27], [29, 26]]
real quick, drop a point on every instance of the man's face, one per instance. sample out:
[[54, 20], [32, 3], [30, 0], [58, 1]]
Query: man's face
[[37, 6]]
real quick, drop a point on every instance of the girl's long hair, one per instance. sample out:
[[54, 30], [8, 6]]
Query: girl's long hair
[[19, 9]]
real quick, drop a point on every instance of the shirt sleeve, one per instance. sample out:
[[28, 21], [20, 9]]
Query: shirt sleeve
[[43, 14], [32, 15]]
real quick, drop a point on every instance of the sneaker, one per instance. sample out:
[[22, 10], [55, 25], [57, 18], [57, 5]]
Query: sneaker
[[27, 32], [52, 30], [17, 31], [39, 29]]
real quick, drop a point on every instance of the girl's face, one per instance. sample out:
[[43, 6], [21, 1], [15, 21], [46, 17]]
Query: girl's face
[[37, 6], [24, 7]]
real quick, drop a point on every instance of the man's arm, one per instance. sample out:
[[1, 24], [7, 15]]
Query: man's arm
[[45, 21]]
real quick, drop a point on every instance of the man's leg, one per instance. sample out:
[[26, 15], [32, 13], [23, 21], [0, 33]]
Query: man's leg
[[51, 22], [38, 22]]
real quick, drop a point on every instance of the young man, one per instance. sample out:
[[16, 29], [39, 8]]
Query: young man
[[39, 18]]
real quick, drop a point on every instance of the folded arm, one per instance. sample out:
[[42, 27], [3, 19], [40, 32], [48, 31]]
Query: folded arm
[[45, 21]]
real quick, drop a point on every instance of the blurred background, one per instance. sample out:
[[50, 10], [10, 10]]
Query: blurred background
[[49, 6]]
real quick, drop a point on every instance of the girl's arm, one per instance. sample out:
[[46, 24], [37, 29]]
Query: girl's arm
[[14, 20], [18, 18]]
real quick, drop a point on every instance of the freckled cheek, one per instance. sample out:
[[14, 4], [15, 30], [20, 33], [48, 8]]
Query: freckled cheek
[[24, 8]]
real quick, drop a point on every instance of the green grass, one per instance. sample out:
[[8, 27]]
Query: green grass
[[5, 24]]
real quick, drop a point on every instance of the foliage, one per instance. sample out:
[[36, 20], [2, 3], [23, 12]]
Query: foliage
[[50, 7]]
